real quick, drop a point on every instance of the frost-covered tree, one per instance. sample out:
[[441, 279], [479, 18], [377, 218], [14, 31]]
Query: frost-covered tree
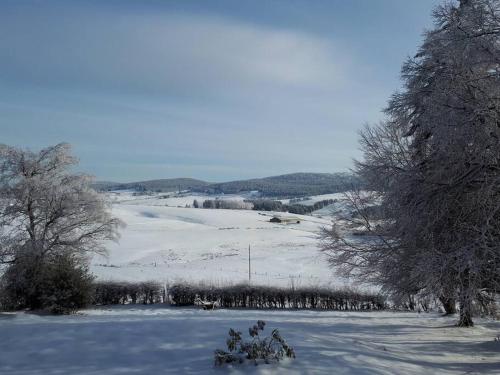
[[451, 111], [435, 167], [45, 209]]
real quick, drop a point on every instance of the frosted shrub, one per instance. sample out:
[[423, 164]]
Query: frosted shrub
[[267, 349]]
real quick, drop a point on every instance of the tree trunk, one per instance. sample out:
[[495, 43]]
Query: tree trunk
[[449, 305], [465, 302], [465, 316], [411, 302]]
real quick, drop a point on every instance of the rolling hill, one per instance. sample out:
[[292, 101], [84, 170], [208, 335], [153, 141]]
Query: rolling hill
[[288, 185], [162, 185]]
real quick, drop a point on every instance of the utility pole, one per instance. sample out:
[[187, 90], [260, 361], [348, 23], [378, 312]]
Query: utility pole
[[249, 266]]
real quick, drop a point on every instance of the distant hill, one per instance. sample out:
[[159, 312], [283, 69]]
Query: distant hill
[[163, 185], [288, 185]]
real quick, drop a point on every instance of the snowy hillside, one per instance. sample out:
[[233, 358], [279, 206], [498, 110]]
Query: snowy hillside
[[164, 242]]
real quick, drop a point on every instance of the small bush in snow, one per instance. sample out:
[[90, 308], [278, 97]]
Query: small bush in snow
[[267, 349], [58, 284]]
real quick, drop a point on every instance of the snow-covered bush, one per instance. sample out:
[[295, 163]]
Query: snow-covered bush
[[267, 349]]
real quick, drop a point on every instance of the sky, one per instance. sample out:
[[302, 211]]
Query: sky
[[210, 89]]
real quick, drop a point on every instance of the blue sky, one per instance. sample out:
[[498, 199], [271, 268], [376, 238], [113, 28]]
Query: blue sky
[[215, 90]]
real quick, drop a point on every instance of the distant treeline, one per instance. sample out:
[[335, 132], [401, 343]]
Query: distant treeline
[[237, 296], [225, 204], [164, 185], [290, 185], [263, 205], [299, 209]]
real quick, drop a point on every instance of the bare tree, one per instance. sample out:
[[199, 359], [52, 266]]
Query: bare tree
[[47, 210]]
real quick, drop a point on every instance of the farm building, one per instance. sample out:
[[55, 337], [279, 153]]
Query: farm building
[[285, 220]]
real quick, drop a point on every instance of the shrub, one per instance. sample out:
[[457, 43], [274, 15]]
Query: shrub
[[268, 349], [119, 292], [182, 295], [59, 284]]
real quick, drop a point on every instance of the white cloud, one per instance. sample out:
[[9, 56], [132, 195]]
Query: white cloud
[[167, 53]]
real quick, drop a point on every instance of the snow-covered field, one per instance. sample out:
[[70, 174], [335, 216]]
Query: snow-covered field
[[159, 340], [168, 243]]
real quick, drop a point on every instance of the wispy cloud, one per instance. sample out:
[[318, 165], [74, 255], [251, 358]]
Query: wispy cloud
[[166, 53]]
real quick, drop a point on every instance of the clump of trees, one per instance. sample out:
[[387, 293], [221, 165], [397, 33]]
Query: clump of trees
[[267, 205], [265, 297], [299, 209], [228, 204], [433, 166], [50, 220], [302, 209]]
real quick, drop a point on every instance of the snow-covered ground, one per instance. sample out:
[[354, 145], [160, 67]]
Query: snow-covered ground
[[167, 243], [159, 340]]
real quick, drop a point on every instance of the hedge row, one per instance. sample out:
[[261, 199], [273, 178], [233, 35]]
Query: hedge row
[[115, 292], [236, 296], [262, 297]]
